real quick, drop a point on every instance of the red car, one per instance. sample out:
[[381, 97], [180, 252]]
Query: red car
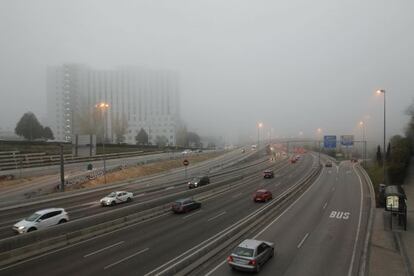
[[262, 195]]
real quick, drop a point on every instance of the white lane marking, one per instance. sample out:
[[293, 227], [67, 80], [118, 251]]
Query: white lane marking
[[237, 195], [333, 189], [169, 188], [105, 248], [339, 215], [277, 184], [271, 223], [351, 266], [192, 214], [337, 169], [219, 215], [90, 203], [326, 204], [303, 240], [82, 242], [126, 258]]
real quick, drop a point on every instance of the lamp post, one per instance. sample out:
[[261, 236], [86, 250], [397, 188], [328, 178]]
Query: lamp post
[[103, 107], [363, 126], [319, 131], [382, 92], [259, 126]]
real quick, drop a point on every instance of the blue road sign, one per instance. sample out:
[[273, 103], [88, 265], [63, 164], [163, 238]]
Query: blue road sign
[[329, 141]]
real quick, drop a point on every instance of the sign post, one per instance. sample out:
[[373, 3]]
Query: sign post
[[186, 163]]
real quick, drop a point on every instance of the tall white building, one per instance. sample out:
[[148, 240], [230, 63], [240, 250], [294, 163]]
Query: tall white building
[[147, 99]]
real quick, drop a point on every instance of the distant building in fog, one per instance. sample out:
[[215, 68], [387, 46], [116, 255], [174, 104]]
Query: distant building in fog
[[147, 99]]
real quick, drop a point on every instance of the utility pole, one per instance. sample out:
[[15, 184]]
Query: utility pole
[[62, 170]]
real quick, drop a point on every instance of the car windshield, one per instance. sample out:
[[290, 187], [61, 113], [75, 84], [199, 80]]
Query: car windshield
[[244, 252], [195, 179], [33, 217], [112, 194]]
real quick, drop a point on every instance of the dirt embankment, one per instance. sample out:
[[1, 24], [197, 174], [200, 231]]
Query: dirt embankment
[[143, 170]]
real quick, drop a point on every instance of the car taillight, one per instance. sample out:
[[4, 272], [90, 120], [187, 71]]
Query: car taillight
[[229, 259], [252, 262]]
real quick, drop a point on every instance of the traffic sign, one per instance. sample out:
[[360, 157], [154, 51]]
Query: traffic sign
[[329, 141], [347, 140], [186, 162]]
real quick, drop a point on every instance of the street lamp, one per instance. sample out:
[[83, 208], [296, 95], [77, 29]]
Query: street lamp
[[319, 131], [382, 92], [103, 107], [259, 126], [363, 126]]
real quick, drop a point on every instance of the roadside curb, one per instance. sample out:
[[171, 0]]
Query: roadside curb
[[364, 266]]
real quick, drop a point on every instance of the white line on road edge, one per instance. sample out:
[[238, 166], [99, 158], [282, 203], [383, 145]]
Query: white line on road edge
[[192, 214], [351, 266], [326, 204], [270, 224], [237, 195], [222, 213], [126, 258], [100, 250], [303, 240]]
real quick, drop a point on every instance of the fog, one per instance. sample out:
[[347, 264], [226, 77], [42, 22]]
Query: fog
[[294, 65]]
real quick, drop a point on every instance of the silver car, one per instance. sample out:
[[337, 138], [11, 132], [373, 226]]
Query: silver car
[[41, 219], [251, 255]]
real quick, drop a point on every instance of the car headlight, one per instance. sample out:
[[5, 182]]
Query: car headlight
[[21, 227]]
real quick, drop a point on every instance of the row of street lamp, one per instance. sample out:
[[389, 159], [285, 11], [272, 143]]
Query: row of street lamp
[[362, 125]]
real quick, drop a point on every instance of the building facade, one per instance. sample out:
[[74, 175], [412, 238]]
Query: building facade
[[136, 97]]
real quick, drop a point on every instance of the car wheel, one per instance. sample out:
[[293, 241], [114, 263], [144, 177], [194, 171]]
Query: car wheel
[[129, 199], [62, 221], [31, 229], [113, 203]]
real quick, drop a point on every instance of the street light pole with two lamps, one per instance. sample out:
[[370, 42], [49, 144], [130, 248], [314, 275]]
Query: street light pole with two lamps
[[103, 107], [382, 92]]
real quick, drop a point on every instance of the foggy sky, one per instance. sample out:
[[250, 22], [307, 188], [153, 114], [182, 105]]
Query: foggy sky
[[293, 65]]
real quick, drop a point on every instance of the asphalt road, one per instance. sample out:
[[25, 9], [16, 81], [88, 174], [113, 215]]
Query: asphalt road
[[140, 248], [50, 177], [80, 205], [322, 233]]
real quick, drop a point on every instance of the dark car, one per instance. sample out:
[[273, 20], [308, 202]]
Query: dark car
[[262, 195], [328, 164], [268, 174], [198, 181], [185, 205]]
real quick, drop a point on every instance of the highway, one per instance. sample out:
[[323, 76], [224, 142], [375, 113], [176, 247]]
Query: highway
[[85, 203], [322, 233], [146, 247], [49, 177]]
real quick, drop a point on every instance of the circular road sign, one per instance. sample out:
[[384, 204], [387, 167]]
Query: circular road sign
[[186, 162]]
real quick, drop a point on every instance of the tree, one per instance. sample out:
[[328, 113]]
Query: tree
[[142, 137], [161, 141], [48, 134], [379, 155], [181, 137], [29, 127], [388, 154], [193, 139]]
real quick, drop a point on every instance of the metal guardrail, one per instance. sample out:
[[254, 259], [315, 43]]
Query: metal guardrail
[[14, 160], [221, 239], [19, 247]]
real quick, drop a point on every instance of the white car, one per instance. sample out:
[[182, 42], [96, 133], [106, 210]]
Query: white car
[[41, 219], [186, 152], [117, 197]]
